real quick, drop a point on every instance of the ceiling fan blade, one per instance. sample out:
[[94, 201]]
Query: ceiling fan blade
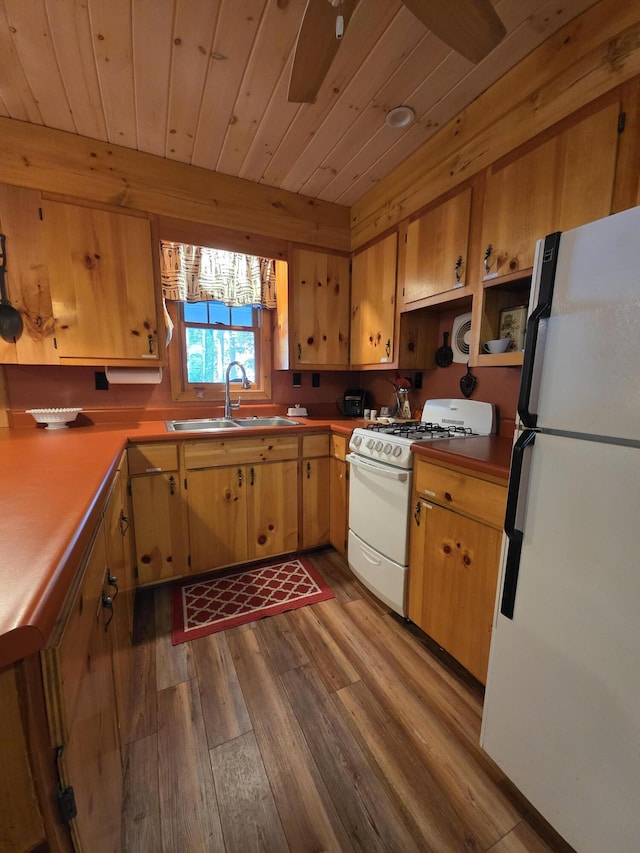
[[316, 47], [470, 27]]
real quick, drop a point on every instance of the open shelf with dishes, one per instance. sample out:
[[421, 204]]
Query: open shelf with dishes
[[502, 309]]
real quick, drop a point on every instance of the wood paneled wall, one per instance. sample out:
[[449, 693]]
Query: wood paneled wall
[[69, 165], [588, 57]]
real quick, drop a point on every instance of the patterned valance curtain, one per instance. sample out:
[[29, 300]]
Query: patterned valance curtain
[[199, 274]]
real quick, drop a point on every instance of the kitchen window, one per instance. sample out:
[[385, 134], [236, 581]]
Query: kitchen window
[[206, 335]]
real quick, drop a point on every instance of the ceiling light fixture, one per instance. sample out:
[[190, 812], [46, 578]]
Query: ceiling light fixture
[[400, 117]]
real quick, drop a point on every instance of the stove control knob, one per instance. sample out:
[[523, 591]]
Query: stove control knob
[[397, 451], [357, 440], [378, 446], [387, 448], [370, 443]]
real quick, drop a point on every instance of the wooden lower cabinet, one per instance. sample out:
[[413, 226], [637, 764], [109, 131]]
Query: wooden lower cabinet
[[339, 495], [240, 513], [160, 525], [80, 690], [453, 562], [159, 512], [90, 760], [314, 473], [21, 823]]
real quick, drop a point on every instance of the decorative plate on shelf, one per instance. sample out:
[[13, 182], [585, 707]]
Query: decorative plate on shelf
[[54, 418]]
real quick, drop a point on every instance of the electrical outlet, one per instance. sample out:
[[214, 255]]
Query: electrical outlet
[[297, 380], [102, 383], [417, 380], [315, 380]]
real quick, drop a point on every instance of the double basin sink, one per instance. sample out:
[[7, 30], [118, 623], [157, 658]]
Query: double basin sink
[[215, 424]]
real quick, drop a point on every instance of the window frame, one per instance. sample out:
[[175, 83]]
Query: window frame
[[183, 391]]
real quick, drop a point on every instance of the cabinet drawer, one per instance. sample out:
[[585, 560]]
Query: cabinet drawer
[[149, 458], [461, 493], [338, 446], [315, 445], [212, 454]]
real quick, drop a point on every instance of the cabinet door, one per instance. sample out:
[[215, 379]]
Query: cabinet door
[[102, 288], [453, 572], [121, 588], [27, 278], [373, 308], [90, 760], [315, 501], [160, 527], [217, 500], [435, 249], [319, 301], [339, 501], [561, 184], [273, 509]]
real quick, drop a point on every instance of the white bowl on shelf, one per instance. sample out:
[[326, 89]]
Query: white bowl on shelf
[[54, 418]]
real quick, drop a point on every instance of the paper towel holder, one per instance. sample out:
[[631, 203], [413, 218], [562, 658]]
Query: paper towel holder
[[134, 375]]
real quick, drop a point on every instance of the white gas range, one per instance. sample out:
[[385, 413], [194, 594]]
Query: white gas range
[[380, 489]]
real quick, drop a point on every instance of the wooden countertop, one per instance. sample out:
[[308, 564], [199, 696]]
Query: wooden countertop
[[53, 485], [485, 454]]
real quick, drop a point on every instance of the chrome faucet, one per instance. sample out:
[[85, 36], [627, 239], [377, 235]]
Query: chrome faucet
[[228, 405]]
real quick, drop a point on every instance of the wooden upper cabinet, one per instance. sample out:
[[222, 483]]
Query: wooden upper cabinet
[[435, 250], [27, 278], [560, 184], [319, 309], [102, 287], [373, 303]]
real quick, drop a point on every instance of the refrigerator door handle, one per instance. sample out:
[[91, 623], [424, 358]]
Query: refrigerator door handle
[[540, 312], [512, 565]]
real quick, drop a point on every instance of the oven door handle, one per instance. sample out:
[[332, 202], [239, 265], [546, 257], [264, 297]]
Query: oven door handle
[[380, 470]]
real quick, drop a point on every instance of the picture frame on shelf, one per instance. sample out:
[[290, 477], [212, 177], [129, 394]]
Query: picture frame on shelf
[[513, 323]]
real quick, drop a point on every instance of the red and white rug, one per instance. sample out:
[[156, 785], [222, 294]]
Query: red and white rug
[[208, 605]]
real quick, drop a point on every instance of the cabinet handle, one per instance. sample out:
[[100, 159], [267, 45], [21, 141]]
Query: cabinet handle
[[150, 341], [112, 580], [107, 604], [308, 470], [172, 485], [458, 269], [240, 477], [124, 522], [252, 476], [387, 348], [299, 351], [487, 258], [416, 513]]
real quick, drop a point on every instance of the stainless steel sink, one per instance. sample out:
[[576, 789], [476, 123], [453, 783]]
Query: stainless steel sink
[[200, 425], [215, 424], [266, 422]]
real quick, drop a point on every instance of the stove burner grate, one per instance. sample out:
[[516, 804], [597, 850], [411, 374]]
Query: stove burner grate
[[420, 431]]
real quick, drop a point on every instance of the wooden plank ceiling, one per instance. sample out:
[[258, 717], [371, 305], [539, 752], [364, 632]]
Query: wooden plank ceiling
[[205, 82]]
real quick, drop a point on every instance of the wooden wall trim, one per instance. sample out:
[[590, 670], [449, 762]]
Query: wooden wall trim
[[588, 57], [58, 162]]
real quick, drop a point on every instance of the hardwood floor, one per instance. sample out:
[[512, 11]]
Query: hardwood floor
[[329, 728]]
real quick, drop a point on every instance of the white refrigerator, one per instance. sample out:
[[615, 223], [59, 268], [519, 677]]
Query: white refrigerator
[[562, 703]]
